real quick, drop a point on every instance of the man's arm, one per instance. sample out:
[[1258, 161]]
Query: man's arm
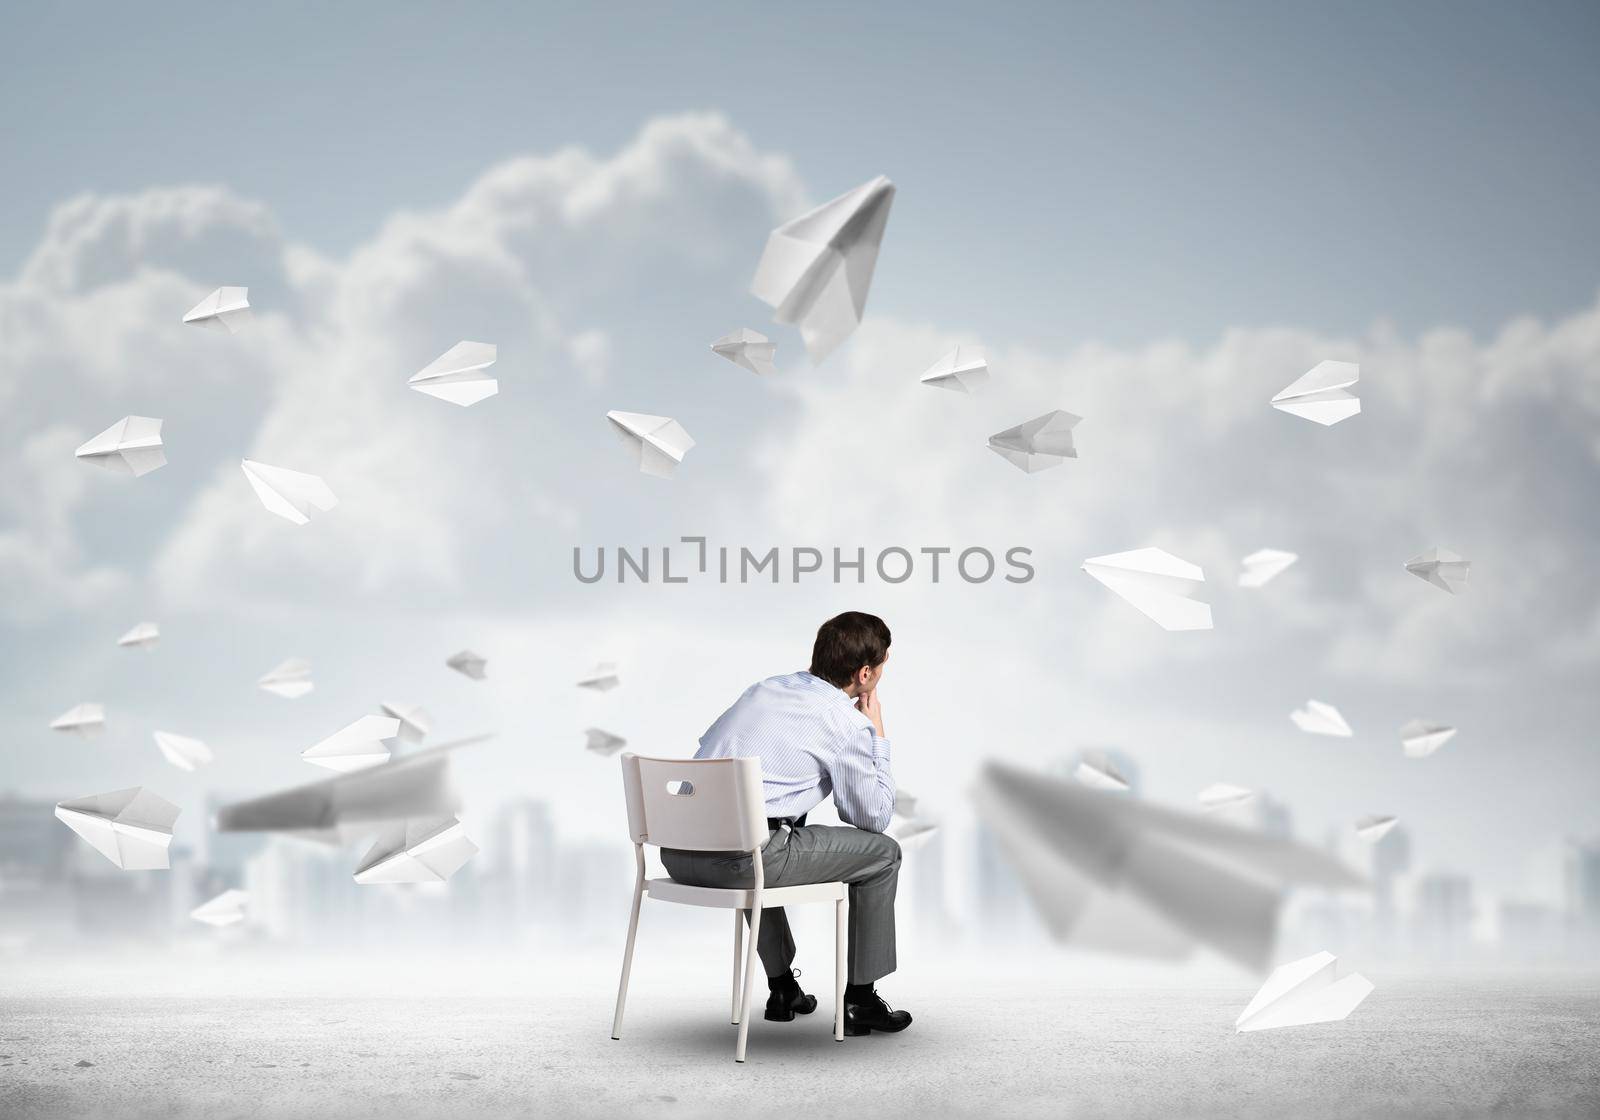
[[863, 783]]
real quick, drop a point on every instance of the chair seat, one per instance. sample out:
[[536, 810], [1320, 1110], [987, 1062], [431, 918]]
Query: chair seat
[[670, 890]]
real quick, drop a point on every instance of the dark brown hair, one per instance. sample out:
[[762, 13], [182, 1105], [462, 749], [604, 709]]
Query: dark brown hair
[[845, 643]]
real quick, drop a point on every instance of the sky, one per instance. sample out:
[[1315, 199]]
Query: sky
[[1154, 217]]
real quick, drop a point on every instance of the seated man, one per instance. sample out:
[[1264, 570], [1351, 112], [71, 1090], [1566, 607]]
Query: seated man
[[816, 733]]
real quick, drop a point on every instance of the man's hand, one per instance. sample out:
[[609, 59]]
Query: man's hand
[[867, 705]]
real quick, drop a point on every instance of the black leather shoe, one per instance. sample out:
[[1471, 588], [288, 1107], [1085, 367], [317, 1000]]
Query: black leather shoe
[[782, 1006], [874, 1015]]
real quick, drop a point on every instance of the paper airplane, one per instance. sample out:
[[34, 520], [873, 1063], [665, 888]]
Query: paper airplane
[[457, 375], [183, 752], [1155, 583], [816, 269], [1373, 829], [226, 309], [415, 723], [225, 910], [143, 636], [84, 719], [130, 827], [1321, 719], [1305, 991], [1320, 395], [603, 742], [1125, 876], [130, 446], [967, 373], [355, 747], [1420, 737], [1442, 568], [1221, 795], [289, 494], [912, 832], [602, 678], [747, 349], [905, 803], [1262, 567], [1041, 443], [468, 663], [289, 680], [657, 443], [343, 808], [1097, 771], [417, 851]]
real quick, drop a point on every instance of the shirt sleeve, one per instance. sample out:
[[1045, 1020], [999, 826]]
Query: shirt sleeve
[[863, 783]]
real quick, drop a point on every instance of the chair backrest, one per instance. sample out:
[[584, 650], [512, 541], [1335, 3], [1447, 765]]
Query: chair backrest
[[702, 805]]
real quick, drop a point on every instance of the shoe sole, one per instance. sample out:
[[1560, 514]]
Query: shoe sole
[[857, 1031], [786, 1015]]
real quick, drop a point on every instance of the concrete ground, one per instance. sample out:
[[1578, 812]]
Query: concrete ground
[[398, 1045]]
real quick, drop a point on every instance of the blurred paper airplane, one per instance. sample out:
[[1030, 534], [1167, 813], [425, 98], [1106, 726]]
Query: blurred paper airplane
[[657, 443], [1320, 395], [1221, 795], [130, 827], [83, 719], [602, 678], [1096, 770], [1261, 567], [967, 373], [468, 664], [289, 680], [1421, 737], [1372, 829], [143, 636], [355, 747], [417, 851], [747, 349], [183, 752], [130, 446], [1442, 568], [603, 742], [1155, 583], [457, 375], [414, 722], [226, 309], [224, 910], [289, 494], [1321, 719], [1039, 444], [1302, 992]]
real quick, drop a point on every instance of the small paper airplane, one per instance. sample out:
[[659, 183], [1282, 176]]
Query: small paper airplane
[[1097, 771], [457, 375], [183, 752], [1157, 584], [1320, 395], [1041, 443], [417, 851], [602, 678], [747, 349], [289, 680], [143, 636], [289, 494], [1420, 737], [1373, 829], [130, 446], [468, 663], [1321, 719], [905, 802], [965, 373], [1442, 568], [1261, 567], [415, 723], [355, 747], [130, 827], [225, 910], [816, 269], [1221, 795], [1302, 992], [659, 443], [226, 309], [911, 832], [603, 742], [85, 719]]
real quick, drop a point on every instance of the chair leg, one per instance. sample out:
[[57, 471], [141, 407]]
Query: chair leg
[[840, 940], [750, 959], [738, 947], [627, 961]]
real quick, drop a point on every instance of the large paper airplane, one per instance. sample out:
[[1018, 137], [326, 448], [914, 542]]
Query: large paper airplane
[[289, 680], [603, 742], [602, 678], [417, 851], [130, 827], [966, 373], [183, 752], [226, 309], [657, 443], [1097, 771], [1155, 583], [143, 636], [1302, 992], [1320, 395], [289, 494], [342, 808], [1124, 876], [355, 747], [747, 349], [82, 719], [1375, 828], [457, 375], [130, 446], [468, 664], [1421, 737], [1442, 568], [1263, 566], [1221, 795], [906, 825], [1039, 444], [415, 723], [224, 910], [816, 269], [1321, 719]]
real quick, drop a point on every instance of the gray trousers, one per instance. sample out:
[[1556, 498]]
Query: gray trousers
[[817, 853]]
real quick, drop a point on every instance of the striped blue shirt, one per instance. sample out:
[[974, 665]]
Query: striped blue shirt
[[812, 741]]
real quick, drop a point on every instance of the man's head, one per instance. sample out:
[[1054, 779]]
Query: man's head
[[850, 651]]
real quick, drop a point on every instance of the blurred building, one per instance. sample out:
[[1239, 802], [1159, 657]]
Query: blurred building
[[1581, 875], [1443, 915]]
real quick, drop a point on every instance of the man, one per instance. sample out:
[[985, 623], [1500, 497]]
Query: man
[[816, 733]]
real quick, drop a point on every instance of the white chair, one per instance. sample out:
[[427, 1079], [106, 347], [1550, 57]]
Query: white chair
[[715, 805]]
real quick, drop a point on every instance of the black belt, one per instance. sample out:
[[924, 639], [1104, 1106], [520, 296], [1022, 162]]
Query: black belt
[[776, 823]]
